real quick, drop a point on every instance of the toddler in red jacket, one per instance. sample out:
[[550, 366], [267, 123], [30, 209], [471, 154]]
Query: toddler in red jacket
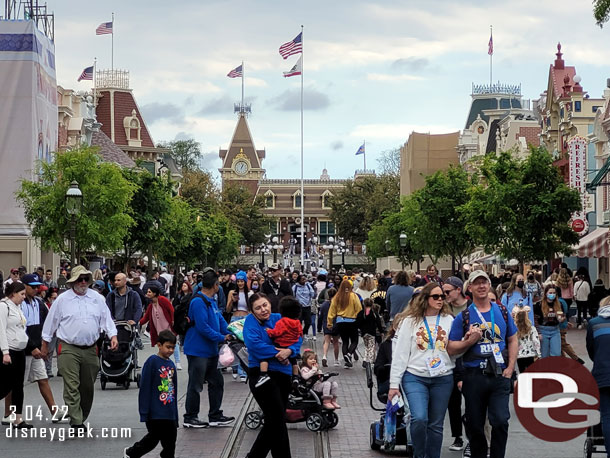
[[288, 330]]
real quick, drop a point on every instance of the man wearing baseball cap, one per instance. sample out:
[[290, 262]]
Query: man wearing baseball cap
[[77, 317], [35, 313], [276, 287], [486, 337]]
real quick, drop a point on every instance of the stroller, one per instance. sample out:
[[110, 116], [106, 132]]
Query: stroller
[[377, 429], [594, 443], [304, 404], [120, 366]]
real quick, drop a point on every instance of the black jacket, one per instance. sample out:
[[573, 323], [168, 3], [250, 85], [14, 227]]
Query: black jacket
[[34, 332], [275, 292], [369, 324]]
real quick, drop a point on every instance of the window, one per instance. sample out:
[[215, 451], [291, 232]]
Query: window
[[595, 107], [327, 228], [326, 195], [577, 105], [296, 199], [269, 199], [561, 113]]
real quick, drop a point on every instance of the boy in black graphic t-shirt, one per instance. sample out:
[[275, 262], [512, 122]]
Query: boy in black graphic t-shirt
[[157, 401]]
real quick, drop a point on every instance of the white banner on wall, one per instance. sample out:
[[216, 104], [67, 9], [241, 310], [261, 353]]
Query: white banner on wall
[[577, 148], [28, 113]]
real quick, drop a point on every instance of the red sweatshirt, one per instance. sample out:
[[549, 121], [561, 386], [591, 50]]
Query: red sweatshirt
[[286, 332]]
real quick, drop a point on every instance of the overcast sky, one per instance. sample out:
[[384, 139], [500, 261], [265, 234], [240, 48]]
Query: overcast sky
[[373, 71]]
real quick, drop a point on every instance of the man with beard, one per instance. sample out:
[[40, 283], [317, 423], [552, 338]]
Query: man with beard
[[77, 316]]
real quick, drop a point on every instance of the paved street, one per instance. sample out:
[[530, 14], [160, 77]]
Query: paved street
[[117, 407]]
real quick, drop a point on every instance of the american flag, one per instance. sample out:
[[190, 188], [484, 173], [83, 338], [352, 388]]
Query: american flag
[[236, 72], [292, 47], [490, 51], [87, 74], [104, 28]]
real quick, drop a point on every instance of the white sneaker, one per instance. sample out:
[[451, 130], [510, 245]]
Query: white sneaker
[[337, 363], [179, 366], [314, 338]]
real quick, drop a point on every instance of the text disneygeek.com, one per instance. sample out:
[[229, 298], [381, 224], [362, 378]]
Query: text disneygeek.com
[[61, 434]]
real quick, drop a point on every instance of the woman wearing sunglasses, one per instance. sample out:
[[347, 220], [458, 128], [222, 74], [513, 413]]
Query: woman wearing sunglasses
[[423, 369]]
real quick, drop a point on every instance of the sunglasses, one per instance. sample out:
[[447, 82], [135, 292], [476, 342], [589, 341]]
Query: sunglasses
[[82, 279], [436, 297], [448, 291]]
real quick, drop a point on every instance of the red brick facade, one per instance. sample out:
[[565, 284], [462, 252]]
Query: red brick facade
[[531, 134], [124, 104]]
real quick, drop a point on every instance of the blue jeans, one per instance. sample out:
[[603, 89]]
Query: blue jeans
[[604, 408], [486, 396], [428, 398], [177, 353], [551, 341]]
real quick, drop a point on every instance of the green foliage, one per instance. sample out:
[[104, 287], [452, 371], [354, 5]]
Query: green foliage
[[363, 203], [176, 232], [245, 214], [186, 153], [216, 240], [104, 220], [522, 208], [199, 190], [601, 11]]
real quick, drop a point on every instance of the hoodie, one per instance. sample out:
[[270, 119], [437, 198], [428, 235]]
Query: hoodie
[[598, 342]]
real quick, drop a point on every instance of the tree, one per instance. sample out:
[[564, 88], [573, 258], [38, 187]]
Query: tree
[[362, 203], [442, 201], [522, 209], [245, 213], [186, 153], [601, 11], [176, 232], [200, 191], [105, 218], [216, 239], [389, 162]]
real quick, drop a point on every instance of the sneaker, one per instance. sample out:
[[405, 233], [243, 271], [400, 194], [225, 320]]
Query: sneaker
[[466, 452], [179, 366], [314, 338], [579, 360], [324, 362], [22, 425], [355, 355], [243, 379], [6, 420], [348, 361], [337, 363], [262, 379], [234, 373], [125, 454], [222, 421], [195, 424], [458, 444]]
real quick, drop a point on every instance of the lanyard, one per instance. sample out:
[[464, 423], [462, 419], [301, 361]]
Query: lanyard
[[493, 321], [430, 338]]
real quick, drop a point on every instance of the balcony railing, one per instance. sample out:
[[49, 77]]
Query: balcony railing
[[118, 79]]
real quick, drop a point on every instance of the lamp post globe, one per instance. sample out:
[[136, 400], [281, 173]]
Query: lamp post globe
[[402, 238], [74, 204]]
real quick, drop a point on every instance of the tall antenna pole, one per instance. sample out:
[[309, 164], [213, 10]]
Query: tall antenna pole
[[94, 81], [491, 55], [112, 46], [243, 70], [302, 186]]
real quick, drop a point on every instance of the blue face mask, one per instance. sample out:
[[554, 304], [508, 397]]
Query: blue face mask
[[551, 297]]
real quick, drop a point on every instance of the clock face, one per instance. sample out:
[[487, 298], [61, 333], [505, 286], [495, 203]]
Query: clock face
[[241, 167]]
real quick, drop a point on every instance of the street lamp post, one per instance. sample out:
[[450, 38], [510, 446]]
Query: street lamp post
[[74, 203], [343, 248], [275, 248], [402, 240], [331, 247]]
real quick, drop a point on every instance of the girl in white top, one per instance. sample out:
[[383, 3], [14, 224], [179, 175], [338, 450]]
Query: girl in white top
[[424, 370], [366, 287], [13, 340]]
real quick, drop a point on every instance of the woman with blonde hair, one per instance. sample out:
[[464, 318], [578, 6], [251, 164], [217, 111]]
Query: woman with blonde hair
[[344, 309], [366, 287], [424, 369], [565, 283]]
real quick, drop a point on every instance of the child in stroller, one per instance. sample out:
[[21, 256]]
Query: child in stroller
[[120, 366], [309, 370]]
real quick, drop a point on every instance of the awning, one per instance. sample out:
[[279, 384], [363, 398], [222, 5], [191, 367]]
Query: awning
[[594, 244], [599, 177]]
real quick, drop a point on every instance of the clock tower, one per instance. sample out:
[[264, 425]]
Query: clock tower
[[241, 161]]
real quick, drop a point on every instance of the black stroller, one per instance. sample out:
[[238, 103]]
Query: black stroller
[[120, 366], [304, 404], [594, 443]]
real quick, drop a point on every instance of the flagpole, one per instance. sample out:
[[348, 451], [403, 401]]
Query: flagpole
[[243, 70], [364, 144], [94, 81], [302, 186], [112, 47], [491, 55]]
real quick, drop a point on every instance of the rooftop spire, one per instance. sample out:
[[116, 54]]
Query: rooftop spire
[[559, 63]]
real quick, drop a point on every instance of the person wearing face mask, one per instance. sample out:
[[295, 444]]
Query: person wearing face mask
[[533, 288], [549, 315], [516, 296]]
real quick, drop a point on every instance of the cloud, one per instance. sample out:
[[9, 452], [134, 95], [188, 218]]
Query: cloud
[[392, 78], [410, 64], [222, 104], [290, 100], [336, 145], [182, 136], [399, 131], [210, 160], [154, 111]]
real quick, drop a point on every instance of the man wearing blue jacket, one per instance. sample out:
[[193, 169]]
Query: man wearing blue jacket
[[201, 348]]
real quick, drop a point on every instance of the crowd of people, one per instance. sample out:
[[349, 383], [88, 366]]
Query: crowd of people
[[431, 341]]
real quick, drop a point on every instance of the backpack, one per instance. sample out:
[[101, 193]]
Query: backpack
[[181, 313]]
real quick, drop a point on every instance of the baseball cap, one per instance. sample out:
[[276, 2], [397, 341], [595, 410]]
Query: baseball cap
[[477, 274], [30, 280], [275, 266], [455, 282], [14, 270]]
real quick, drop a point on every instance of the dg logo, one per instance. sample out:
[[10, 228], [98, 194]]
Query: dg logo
[[557, 399]]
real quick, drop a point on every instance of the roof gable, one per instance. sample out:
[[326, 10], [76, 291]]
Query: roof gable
[[241, 142]]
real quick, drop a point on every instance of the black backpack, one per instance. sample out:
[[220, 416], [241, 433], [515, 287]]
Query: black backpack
[[181, 313]]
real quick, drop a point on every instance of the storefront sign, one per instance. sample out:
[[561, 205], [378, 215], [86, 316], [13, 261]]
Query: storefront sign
[[577, 148]]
